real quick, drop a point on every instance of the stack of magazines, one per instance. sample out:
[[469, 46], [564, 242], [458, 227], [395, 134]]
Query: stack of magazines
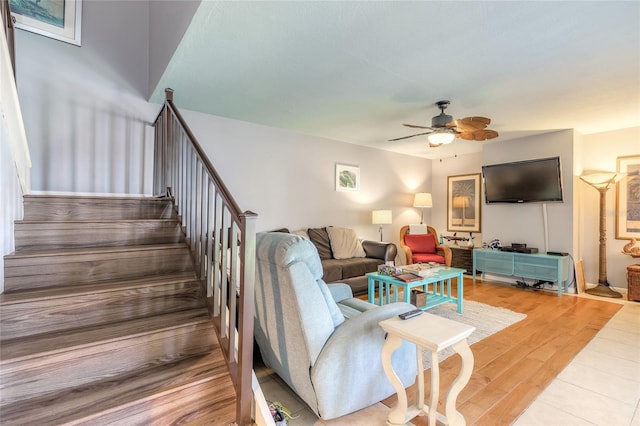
[[421, 269]]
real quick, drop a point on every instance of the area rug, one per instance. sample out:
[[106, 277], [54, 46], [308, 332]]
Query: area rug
[[486, 319]]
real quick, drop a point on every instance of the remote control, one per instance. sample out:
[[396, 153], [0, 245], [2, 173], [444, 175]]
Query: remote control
[[410, 314], [557, 253]]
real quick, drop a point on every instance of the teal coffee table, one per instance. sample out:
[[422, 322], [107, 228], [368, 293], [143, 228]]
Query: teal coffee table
[[440, 284]]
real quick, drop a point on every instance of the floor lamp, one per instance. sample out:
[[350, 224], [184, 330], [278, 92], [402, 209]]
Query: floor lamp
[[602, 181]]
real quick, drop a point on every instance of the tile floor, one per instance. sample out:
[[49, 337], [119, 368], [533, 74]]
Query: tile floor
[[601, 385]]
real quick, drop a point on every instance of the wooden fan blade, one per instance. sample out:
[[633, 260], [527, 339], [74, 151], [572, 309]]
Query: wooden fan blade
[[415, 126], [478, 135], [468, 136], [407, 137], [490, 134], [470, 124]]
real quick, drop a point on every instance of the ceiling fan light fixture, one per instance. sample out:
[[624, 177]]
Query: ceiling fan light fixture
[[441, 137]]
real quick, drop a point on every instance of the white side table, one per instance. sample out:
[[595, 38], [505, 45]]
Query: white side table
[[434, 333]]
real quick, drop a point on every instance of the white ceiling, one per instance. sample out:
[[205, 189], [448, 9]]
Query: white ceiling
[[355, 71]]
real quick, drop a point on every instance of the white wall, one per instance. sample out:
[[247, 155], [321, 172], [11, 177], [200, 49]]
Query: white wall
[[442, 169], [523, 223], [600, 151], [168, 20], [85, 108], [288, 178]]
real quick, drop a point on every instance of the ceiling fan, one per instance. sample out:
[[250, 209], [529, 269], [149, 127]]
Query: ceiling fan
[[444, 128]]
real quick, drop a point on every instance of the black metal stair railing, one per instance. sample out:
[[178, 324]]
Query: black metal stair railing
[[221, 238]]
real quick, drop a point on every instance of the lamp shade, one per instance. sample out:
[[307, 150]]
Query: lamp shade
[[422, 199], [441, 137], [599, 179], [381, 217]]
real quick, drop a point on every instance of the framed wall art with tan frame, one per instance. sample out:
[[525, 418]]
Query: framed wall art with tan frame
[[628, 199], [463, 203]]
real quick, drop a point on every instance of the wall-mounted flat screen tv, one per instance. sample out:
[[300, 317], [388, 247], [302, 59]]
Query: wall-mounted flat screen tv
[[538, 180]]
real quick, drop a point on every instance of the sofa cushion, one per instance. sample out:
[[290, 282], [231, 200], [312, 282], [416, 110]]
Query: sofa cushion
[[320, 238], [426, 258], [421, 243], [332, 270], [345, 243], [355, 267]]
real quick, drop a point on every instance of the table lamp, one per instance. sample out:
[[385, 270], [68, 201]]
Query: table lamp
[[381, 217], [422, 200]]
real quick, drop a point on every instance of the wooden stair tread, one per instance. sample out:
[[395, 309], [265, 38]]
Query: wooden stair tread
[[94, 197], [93, 250], [57, 223], [87, 402], [31, 295], [61, 341]]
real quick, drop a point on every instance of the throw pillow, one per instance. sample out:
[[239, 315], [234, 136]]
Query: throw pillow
[[421, 243], [345, 243], [302, 233], [320, 238]]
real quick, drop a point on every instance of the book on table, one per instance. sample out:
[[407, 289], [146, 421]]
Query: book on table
[[407, 277]]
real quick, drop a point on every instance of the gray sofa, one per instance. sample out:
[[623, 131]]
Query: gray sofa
[[325, 344], [350, 271]]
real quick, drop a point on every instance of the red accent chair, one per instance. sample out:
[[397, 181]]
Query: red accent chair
[[423, 248]]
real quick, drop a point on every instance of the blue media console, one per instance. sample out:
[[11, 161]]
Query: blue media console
[[538, 266]]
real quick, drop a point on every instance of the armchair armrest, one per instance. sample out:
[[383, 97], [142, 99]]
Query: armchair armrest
[[380, 250], [408, 254], [445, 252], [354, 351], [340, 291]]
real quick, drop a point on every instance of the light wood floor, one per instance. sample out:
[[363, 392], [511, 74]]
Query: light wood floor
[[513, 366]]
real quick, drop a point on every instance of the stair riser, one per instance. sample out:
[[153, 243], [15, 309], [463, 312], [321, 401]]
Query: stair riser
[[108, 401], [63, 235], [43, 316], [191, 405], [83, 268], [79, 208], [42, 375]]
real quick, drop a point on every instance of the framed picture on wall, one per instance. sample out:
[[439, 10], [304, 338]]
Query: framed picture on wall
[[58, 19], [463, 203], [628, 199], [347, 177]]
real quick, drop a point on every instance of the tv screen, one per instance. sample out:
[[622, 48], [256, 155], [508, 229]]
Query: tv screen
[[528, 181]]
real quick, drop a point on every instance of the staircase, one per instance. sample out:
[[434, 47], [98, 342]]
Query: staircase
[[104, 322]]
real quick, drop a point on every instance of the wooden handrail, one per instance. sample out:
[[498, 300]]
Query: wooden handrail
[[221, 239]]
